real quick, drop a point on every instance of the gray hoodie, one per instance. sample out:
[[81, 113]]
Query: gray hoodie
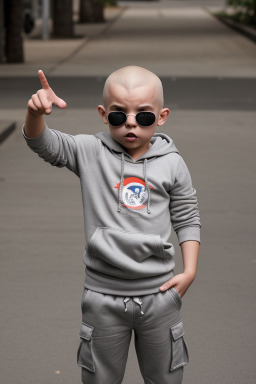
[[129, 207]]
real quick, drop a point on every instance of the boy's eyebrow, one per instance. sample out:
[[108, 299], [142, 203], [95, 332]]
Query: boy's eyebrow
[[145, 106], [115, 105]]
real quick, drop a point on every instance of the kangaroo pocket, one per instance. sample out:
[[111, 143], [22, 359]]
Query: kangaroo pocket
[[124, 254]]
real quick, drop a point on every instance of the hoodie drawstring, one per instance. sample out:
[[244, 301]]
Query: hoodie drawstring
[[136, 300], [147, 184], [122, 183]]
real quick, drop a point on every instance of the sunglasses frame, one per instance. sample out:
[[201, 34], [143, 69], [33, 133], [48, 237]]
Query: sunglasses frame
[[131, 114]]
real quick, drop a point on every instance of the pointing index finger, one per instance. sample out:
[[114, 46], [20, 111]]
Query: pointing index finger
[[43, 80]]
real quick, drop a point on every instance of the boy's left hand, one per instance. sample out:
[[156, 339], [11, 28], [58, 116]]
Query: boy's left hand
[[180, 282]]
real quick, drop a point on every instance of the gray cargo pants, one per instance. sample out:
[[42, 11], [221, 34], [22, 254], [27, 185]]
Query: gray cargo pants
[[107, 324]]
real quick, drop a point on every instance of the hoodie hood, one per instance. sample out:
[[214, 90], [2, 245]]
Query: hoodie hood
[[162, 144]]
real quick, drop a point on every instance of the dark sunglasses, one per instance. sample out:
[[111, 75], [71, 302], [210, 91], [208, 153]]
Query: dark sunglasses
[[144, 119]]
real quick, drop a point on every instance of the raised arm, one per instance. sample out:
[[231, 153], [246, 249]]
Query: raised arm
[[40, 104], [55, 147], [76, 152]]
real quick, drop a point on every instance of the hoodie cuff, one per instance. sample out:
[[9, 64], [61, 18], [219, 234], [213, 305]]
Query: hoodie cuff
[[35, 142], [189, 233]]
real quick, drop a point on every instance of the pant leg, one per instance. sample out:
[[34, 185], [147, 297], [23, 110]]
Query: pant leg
[[105, 338], [159, 342]]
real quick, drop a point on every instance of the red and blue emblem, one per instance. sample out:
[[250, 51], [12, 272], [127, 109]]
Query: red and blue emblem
[[135, 195]]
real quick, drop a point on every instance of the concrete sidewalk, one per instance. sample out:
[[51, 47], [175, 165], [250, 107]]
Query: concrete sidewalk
[[50, 54], [175, 30], [41, 228], [6, 128]]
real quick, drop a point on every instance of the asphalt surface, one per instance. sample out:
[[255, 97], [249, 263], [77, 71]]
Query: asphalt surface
[[212, 96], [195, 93]]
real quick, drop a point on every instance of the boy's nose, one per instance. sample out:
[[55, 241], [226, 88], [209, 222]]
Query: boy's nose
[[131, 121]]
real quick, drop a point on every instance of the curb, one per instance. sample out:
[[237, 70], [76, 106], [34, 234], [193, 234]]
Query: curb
[[248, 32], [5, 132]]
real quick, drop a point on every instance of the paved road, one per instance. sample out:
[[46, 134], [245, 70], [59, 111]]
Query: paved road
[[194, 93], [209, 74]]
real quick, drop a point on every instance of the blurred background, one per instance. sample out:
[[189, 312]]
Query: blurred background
[[56, 18], [204, 53]]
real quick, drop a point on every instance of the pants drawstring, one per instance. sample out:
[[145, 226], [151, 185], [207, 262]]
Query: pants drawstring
[[136, 300]]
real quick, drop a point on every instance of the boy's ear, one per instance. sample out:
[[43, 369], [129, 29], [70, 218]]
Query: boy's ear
[[163, 116], [103, 114]]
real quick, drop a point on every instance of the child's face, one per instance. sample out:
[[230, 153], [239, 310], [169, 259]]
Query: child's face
[[132, 101]]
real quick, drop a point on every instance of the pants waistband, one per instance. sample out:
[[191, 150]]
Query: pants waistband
[[136, 300]]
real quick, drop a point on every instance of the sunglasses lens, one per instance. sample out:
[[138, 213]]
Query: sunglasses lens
[[145, 119], [116, 118]]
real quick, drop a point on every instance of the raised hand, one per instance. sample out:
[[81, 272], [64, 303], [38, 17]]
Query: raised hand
[[41, 102]]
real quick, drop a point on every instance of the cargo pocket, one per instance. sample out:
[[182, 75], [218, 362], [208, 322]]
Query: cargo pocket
[[179, 356], [84, 353]]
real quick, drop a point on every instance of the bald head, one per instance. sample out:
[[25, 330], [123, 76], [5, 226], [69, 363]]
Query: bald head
[[131, 78]]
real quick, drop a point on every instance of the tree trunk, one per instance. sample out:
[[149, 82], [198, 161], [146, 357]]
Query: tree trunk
[[14, 23], [98, 11], [63, 25], [2, 55], [91, 11]]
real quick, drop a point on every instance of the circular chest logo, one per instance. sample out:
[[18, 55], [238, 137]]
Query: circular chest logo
[[134, 194]]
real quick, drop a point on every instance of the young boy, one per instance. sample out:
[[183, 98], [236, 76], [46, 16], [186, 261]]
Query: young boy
[[135, 185]]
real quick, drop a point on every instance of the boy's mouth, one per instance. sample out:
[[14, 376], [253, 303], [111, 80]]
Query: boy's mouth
[[130, 135]]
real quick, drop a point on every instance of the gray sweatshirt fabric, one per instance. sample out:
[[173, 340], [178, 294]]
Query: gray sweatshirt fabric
[[129, 207]]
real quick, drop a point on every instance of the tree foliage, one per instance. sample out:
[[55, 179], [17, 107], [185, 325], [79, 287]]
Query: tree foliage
[[245, 10]]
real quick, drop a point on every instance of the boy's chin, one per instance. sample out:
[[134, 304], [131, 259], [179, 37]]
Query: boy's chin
[[126, 147]]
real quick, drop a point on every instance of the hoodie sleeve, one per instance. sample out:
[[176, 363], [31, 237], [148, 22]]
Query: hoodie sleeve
[[184, 206], [61, 149]]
